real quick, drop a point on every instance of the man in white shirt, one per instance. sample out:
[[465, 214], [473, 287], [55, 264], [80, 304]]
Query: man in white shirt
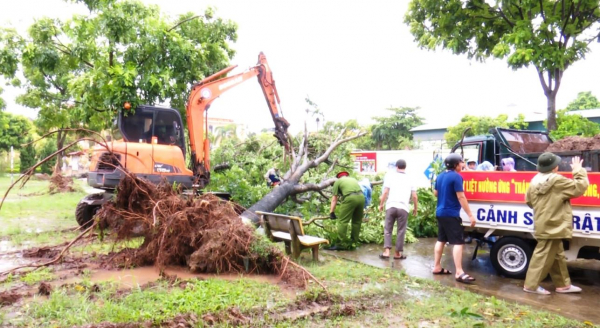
[[397, 192]]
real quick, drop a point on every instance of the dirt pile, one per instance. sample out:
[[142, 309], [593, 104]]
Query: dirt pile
[[9, 297], [575, 143], [205, 234], [60, 184]]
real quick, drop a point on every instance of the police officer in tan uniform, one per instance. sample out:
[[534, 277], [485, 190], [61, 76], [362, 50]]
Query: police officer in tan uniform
[[549, 196]]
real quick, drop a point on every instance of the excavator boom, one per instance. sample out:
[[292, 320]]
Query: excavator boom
[[209, 89]]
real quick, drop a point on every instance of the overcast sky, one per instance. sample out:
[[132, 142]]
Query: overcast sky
[[353, 58]]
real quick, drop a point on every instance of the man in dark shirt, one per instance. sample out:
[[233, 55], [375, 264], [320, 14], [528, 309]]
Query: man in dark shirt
[[451, 197]]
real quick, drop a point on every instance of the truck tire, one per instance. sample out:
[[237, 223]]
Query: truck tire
[[510, 257], [84, 214]]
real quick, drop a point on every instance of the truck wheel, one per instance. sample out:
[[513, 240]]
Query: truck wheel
[[84, 214], [510, 257]]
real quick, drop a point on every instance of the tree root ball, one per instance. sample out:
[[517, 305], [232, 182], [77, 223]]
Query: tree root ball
[[205, 233]]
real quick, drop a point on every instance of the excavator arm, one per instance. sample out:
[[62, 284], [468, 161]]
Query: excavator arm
[[209, 89]]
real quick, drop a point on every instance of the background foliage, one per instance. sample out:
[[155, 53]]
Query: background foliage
[[480, 125]]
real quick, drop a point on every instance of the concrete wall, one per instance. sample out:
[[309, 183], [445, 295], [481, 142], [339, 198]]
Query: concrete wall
[[417, 161]]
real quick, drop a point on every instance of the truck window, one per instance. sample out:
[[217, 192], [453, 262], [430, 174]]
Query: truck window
[[471, 152], [137, 127]]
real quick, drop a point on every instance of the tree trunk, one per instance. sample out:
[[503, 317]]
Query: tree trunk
[[270, 202], [290, 185], [552, 111], [550, 84], [60, 141]]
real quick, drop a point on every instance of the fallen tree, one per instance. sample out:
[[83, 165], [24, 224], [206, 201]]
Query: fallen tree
[[291, 184]]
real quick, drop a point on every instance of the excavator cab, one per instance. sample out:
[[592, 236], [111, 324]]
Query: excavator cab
[[146, 122]]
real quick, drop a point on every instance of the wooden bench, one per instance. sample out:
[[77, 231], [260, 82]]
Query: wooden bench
[[289, 229]]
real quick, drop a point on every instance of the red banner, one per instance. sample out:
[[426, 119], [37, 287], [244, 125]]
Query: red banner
[[365, 162], [510, 187]]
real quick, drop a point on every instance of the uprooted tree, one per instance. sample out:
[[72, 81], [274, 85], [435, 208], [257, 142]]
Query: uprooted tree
[[291, 184]]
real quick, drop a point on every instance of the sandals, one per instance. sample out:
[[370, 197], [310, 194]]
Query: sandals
[[540, 290], [571, 289], [465, 278], [401, 257], [384, 257], [443, 271]]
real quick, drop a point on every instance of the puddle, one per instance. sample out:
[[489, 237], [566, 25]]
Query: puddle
[[418, 294], [10, 257], [584, 273], [133, 278]]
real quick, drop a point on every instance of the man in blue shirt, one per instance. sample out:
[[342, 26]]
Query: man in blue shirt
[[451, 197]]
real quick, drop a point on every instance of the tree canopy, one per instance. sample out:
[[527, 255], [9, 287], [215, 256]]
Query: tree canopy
[[570, 124], [85, 68], [13, 130], [393, 132], [481, 125], [549, 35], [584, 100]]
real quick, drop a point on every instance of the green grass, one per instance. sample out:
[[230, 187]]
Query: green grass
[[389, 297], [31, 215], [106, 246], [31, 187], [67, 307], [34, 277]]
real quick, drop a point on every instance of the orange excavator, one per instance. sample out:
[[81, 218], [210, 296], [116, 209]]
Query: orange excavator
[[151, 141]]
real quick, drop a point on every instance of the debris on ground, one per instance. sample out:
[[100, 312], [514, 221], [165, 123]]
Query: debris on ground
[[575, 143], [42, 252], [45, 289], [205, 233], [60, 184], [8, 298]]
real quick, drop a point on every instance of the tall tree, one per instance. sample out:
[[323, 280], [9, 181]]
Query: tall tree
[[27, 155], [547, 34], [390, 132], [13, 130], [584, 100], [82, 70]]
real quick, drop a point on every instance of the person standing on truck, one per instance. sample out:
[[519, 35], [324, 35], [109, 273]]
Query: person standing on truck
[[397, 192], [451, 197], [508, 164], [272, 177], [549, 195], [352, 203], [471, 164]]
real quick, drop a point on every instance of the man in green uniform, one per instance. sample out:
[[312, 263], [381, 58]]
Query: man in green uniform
[[352, 202], [549, 196]]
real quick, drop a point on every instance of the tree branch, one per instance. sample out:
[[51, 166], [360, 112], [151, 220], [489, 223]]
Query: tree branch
[[332, 147], [301, 188], [297, 200], [542, 10], [506, 18], [182, 22], [70, 54], [542, 81], [331, 167]]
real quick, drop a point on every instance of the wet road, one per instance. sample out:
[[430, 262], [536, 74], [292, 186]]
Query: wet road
[[584, 273]]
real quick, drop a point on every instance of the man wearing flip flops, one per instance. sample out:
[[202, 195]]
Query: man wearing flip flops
[[549, 196], [451, 197], [397, 192]]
